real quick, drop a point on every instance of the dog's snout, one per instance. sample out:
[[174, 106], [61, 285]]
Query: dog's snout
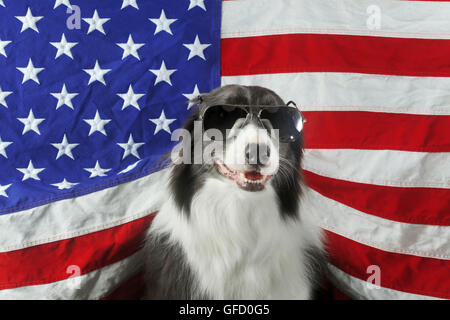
[[257, 154]]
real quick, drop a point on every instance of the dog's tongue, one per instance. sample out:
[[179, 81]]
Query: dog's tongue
[[253, 175]]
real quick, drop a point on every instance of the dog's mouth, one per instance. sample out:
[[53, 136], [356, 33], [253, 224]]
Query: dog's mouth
[[247, 180]]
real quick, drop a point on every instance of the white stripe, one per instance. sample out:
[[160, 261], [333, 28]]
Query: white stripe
[[359, 289], [93, 285], [268, 17], [85, 214], [319, 91], [392, 236], [381, 167]]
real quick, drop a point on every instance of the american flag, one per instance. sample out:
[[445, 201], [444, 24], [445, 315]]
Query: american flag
[[90, 91], [86, 113]]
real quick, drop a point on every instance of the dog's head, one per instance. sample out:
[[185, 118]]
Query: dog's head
[[246, 136]]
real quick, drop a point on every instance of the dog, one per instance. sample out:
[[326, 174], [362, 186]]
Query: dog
[[232, 229]]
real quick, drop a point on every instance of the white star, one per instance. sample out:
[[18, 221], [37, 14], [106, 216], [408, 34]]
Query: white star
[[1, 3], [64, 2], [130, 48], [131, 147], [163, 74], [97, 171], [64, 98], [191, 96], [4, 188], [3, 95], [196, 48], [31, 123], [30, 172], [162, 23], [162, 123], [64, 184], [3, 44], [197, 3], [64, 148], [29, 21], [130, 98], [64, 47], [97, 124], [96, 23], [30, 72], [97, 73], [127, 3], [3, 146]]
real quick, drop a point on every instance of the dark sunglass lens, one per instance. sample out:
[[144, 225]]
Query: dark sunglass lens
[[287, 120], [222, 117]]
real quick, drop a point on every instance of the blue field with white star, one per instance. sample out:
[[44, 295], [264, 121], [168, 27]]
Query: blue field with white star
[[90, 90]]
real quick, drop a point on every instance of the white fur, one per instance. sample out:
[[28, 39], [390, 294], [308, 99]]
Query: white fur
[[235, 152], [237, 244]]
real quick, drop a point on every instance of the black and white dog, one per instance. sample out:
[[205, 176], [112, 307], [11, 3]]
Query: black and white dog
[[232, 227]]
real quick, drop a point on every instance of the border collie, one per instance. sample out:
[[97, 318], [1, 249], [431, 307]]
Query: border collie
[[231, 228]]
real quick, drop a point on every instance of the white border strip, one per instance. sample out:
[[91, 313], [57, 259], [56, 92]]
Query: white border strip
[[85, 214], [381, 167], [318, 91], [378, 18], [361, 290], [392, 236], [93, 285]]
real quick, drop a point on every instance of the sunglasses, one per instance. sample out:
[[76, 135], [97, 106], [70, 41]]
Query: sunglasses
[[286, 118]]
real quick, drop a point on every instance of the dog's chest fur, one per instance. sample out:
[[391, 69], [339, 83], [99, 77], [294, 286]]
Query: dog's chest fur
[[234, 245]]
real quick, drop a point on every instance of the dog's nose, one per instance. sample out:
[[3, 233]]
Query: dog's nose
[[257, 154]]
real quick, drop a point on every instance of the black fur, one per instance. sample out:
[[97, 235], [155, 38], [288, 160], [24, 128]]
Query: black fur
[[171, 277]]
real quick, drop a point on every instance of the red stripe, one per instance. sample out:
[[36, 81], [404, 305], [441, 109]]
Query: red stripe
[[48, 262], [335, 53], [407, 273], [131, 289], [377, 131], [428, 206]]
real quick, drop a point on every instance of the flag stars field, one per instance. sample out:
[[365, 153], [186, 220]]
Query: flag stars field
[[130, 48], [65, 148], [163, 23], [63, 47], [29, 21], [3, 95], [162, 123], [97, 73], [97, 124], [163, 74], [31, 123], [130, 98], [30, 172], [3, 190], [3, 146], [197, 3], [131, 147], [196, 48], [64, 184], [62, 2], [131, 3], [97, 171], [3, 44], [64, 98], [96, 23], [30, 72], [191, 96]]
